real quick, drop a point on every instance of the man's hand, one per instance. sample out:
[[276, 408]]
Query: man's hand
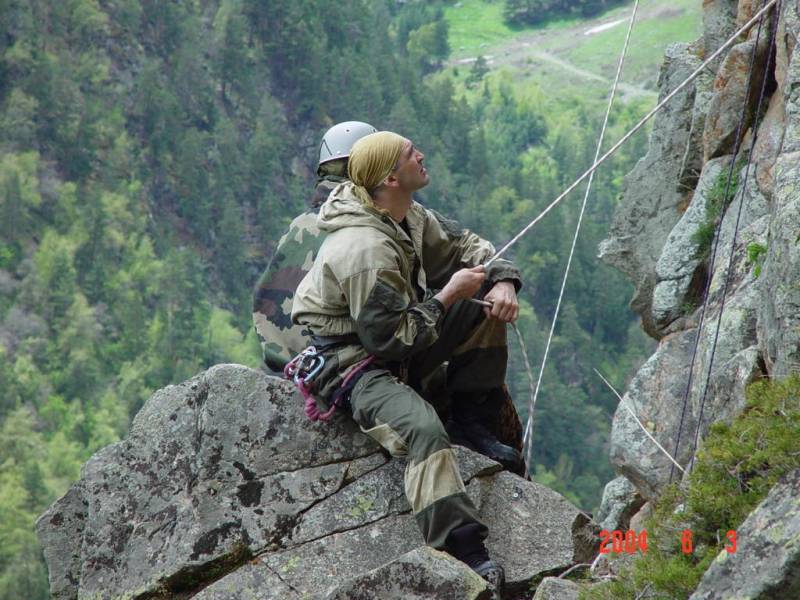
[[462, 285], [503, 297]]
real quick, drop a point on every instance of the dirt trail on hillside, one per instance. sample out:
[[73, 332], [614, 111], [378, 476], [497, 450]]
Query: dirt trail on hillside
[[543, 47]]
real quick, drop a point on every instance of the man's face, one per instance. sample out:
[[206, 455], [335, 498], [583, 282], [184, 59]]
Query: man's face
[[410, 174]]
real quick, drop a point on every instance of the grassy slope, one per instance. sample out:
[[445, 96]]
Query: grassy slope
[[477, 27]]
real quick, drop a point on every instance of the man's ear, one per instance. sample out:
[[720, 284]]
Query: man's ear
[[390, 181]]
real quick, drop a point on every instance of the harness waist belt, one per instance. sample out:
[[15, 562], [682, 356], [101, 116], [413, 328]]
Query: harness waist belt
[[326, 341]]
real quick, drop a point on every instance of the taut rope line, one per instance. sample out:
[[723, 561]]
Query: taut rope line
[[638, 422], [634, 129], [528, 437]]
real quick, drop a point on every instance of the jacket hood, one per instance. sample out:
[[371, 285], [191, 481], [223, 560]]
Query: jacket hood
[[344, 209]]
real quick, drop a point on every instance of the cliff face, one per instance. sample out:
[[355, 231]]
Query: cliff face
[[663, 235]]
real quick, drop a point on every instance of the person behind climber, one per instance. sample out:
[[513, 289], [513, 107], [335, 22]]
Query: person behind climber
[[272, 298], [371, 292]]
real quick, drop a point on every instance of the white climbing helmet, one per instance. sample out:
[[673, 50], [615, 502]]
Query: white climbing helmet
[[339, 139]]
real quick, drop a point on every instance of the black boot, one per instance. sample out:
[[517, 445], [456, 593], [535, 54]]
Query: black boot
[[465, 544], [471, 434]]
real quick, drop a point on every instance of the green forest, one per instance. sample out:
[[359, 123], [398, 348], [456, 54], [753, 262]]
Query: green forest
[[151, 155]]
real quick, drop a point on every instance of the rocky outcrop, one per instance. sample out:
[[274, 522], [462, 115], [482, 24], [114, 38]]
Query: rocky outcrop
[[680, 268], [736, 92], [655, 396], [779, 314], [223, 484], [750, 325], [653, 195], [765, 564]]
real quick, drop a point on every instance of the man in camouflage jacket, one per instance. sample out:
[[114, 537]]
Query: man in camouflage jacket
[[294, 255], [392, 280]]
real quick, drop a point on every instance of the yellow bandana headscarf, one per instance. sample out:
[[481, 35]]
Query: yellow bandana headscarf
[[372, 159]]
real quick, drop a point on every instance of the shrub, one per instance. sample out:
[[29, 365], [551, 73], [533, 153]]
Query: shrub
[[735, 469], [717, 200]]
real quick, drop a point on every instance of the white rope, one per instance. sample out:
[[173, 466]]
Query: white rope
[[638, 422], [529, 371], [635, 128], [527, 439]]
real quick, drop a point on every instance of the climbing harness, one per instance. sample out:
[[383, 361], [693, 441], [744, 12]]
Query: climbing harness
[[527, 440], [706, 295], [306, 366]]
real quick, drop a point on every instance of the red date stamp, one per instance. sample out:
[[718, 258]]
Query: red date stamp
[[617, 541], [631, 541]]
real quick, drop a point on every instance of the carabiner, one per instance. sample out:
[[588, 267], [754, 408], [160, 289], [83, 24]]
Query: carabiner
[[312, 371]]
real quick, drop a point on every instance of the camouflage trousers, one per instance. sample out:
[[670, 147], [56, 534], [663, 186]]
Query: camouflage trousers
[[403, 417]]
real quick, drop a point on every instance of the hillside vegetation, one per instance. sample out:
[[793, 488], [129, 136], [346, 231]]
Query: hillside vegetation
[[150, 155]]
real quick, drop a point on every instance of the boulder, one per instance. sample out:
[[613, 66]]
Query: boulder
[[422, 574], [533, 531], [216, 468], [223, 484], [376, 495], [315, 568], [553, 588], [620, 502], [766, 562], [252, 581], [655, 394]]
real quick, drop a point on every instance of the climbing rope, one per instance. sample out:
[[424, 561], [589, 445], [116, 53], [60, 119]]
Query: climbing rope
[[529, 372], [707, 287], [638, 422], [634, 129], [527, 440], [770, 54]]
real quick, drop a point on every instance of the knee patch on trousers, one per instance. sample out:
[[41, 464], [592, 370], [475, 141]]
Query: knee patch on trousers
[[432, 479]]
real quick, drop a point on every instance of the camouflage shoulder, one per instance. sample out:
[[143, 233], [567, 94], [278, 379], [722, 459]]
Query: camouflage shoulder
[[279, 344], [324, 188], [274, 292]]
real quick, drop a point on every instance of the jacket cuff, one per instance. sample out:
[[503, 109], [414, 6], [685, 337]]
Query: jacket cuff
[[504, 270], [435, 309]]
